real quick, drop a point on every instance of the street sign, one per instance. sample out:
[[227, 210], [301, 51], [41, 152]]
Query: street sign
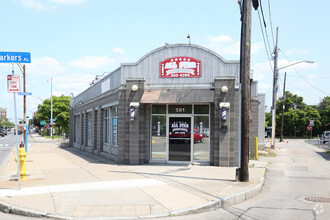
[[13, 84], [42, 122], [24, 93], [311, 122], [309, 127], [15, 57], [53, 119]]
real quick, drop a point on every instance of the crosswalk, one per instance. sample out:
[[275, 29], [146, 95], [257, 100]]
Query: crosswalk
[[5, 146], [108, 185]]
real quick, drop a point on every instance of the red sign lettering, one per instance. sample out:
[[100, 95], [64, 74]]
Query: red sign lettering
[[180, 67]]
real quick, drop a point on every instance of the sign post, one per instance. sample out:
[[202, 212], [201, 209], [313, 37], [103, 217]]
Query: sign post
[[14, 87]]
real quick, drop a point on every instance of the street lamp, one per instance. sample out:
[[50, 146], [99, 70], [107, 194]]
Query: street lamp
[[51, 106], [274, 101], [301, 61]]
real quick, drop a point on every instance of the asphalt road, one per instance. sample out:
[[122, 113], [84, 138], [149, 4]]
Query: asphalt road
[[300, 171], [7, 143]]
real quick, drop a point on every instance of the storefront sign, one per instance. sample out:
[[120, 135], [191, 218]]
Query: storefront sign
[[180, 67]]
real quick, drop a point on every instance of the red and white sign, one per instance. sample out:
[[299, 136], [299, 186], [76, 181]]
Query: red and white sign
[[180, 67], [13, 83], [309, 127]]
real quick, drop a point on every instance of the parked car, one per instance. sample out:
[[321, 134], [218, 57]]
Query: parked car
[[183, 134], [326, 137], [206, 132], [3, 132], [19, 132], [198, 136]]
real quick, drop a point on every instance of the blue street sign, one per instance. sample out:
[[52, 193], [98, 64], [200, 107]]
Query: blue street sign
[[15, 57], [24, 93], [53, 119]]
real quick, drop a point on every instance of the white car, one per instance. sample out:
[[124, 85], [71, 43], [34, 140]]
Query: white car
[[325, 137]]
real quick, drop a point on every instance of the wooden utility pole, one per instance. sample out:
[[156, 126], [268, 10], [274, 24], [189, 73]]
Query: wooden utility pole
[[245, 53], [275, 77], [283, 108]]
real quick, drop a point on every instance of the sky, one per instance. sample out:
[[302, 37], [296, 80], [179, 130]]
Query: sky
[[72, 41]]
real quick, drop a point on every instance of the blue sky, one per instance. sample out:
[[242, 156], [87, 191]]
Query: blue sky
[[72, 41]]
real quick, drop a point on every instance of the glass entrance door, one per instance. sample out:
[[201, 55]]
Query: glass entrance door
[[179, 138]]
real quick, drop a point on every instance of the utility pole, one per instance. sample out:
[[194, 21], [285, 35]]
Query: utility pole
[[283, 108], [275, 77], [245, 52]]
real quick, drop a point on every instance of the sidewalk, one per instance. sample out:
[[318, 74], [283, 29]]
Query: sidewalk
[[65, 183]]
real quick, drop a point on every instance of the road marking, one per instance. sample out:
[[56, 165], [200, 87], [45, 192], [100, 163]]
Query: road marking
[[80, 187]]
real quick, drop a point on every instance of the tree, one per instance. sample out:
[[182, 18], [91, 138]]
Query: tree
[[61, 108], [324, 110], [4, 123]]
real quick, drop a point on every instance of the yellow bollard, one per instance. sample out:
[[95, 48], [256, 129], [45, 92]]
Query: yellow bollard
[[256, 147], [22, 162]]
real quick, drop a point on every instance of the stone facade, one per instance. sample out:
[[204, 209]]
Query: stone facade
[[95, 128]]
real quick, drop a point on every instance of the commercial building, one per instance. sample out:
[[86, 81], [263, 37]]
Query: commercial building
[[177, 104], [3, 112]]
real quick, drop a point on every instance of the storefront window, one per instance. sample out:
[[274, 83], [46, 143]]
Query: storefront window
[[114, 135], [158, 146], [159, 109], [77, 129], [201, 109], [201, 138], [89, 129], [106, 126]]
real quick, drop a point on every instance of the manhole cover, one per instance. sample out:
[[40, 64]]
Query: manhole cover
[[318, 199]]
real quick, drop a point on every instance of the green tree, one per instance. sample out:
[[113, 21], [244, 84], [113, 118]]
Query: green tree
[[61, 108], [297, 115], [324, 110], [4, 123]]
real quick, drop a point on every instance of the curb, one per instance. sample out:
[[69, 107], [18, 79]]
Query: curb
[[241, 197], [219, 203], [17, 210]]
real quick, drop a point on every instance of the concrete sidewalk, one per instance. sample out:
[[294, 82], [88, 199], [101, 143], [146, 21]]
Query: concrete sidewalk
[[67, 184]]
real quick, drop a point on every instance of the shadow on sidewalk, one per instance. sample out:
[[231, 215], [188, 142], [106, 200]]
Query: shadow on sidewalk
[[325, 155], [174, 176], [91, 158]]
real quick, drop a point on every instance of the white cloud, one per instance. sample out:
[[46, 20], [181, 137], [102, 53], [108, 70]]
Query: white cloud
[[262, 70], [68, 2], [219, 39], [225, 45], [118, 50], [256, 47], [42, 5], [91, 62], [44, 66], [74, 83], [34, 4]]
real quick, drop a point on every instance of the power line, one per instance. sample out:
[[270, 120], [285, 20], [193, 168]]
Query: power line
[[263, 18], [270, 20], [263, 36], [313, 77], [304, 78]]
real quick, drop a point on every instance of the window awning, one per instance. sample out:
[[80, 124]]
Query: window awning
[[163, 96]]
